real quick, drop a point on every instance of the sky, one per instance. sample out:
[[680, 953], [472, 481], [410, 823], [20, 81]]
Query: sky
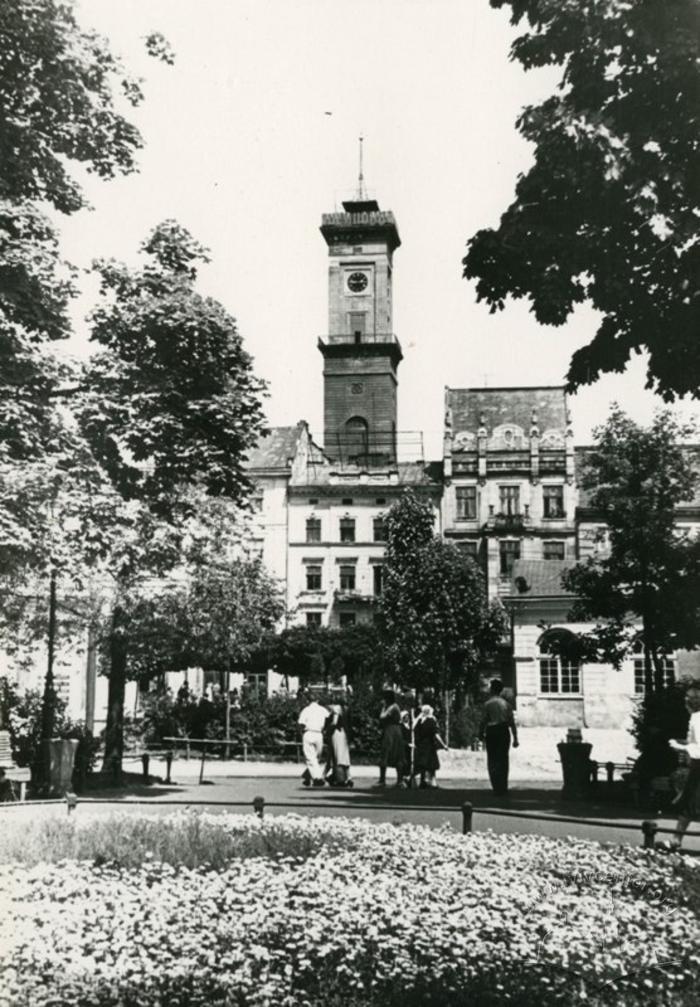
[[253, 134]]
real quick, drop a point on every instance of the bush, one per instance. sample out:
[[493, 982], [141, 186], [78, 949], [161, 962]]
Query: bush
[[25, 727], [464, 727], [261, 724], [330, 912]]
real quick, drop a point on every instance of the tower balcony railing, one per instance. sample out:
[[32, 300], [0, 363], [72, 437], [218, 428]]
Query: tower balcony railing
[[356, 338], [376, 449]]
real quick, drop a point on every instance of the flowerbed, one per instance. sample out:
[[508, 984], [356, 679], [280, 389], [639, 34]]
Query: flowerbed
[[312, 912]]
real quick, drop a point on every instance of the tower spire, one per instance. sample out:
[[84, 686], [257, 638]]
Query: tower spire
[[361, 177]]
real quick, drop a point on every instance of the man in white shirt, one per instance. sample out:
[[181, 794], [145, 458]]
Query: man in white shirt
[[312, 720], [688, 801], [497, 725]]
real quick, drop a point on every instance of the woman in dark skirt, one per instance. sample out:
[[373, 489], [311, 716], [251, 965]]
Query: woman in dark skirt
[[392, 751], [427, 743], [687, 804]]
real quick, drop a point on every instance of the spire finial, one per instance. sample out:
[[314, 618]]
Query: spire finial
[[361, 177]]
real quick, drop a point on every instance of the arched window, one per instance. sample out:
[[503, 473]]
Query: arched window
[[356, 439], [559, 675]]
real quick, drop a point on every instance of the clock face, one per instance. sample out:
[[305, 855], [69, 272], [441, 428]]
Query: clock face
[[357, 282]]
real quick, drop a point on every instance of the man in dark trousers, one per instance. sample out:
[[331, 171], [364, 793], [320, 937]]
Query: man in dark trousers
[[497, 725]]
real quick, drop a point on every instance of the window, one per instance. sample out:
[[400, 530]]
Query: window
[[466, 503], [470, 549], [347, 529], [380, 501], [557, 675], [355, 439], [378, 577], [347, 578], [313, 619], [510, 499], [553, 550], [510, 551], [313, 577], [346, 501], [313, 529], [553, 497], [347, 619], [256, 684], [669, 669], [313, 500], [379, 526], [358, 321]]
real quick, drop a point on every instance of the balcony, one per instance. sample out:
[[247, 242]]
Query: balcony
[[508, 522], [342, 597]]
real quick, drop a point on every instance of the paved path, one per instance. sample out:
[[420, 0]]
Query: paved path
[[432, 807]]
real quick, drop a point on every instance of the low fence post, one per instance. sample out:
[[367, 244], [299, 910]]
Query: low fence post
[[168, 765], [259, 806], [594, 772], [610, 770], [71, 802], [649, 832], [145, 760], [467, 813], [245, 751]]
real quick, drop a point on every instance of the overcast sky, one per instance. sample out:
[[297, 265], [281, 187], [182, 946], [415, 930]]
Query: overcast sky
[[238, 147]]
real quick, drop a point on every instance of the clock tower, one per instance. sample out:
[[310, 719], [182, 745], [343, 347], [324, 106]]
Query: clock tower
[[360, 352]]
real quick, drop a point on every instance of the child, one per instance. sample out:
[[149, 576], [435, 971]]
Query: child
[[427, 743]]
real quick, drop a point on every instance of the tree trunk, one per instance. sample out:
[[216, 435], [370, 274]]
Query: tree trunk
[[114, 732]]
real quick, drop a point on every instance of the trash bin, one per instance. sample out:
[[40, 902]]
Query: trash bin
[[575, 755], [61, 759]]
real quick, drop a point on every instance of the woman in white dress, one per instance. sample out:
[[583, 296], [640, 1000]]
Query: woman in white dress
[[337, 738], [687, 803]]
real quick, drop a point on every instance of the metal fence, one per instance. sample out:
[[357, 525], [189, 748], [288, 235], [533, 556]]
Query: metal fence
[[650, 829]]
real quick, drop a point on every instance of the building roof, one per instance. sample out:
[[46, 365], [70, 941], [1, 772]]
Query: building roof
[[276, 449], [539, 578], [322, 472], [507, 405]]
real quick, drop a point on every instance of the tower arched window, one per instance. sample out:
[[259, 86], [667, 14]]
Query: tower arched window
[[559, 675], [356, 439]]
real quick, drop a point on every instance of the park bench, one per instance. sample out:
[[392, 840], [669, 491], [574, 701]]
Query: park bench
[[17, 777]]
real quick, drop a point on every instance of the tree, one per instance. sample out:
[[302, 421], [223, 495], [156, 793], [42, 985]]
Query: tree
[[58, 109], [645, 592], [230, 601], [57, 95], [327, 654], [436, 621], [609, 211], [169, 405]]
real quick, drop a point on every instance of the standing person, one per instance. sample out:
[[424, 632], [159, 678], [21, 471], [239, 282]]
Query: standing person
[[337, 733], [687, 803], [427, 744], [312, 720], [497, 725], [392, 750]]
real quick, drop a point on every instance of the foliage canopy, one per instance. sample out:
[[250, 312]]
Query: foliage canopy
[[608, 213]]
